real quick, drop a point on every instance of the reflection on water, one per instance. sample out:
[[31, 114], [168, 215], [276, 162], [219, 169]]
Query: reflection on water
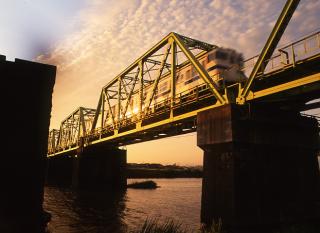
[[74, 212]]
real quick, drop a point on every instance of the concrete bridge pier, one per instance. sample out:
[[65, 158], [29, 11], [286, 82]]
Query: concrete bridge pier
[[93, 167], [59, 170], [100, 167], [260, 167]]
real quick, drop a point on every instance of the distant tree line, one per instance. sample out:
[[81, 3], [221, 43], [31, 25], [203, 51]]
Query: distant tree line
[[155, 170]]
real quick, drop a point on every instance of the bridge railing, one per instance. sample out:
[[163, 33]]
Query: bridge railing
[[288, 55], [181, 99]]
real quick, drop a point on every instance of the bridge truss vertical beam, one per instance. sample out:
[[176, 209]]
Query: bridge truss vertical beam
[[173, 74], [99, 111], [130, 93], [119, 102], [110, 108], [141, 88], [102, 111]]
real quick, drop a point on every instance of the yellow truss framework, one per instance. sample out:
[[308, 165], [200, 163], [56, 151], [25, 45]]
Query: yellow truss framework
[[135, 78], [76, 125], [163, 60]]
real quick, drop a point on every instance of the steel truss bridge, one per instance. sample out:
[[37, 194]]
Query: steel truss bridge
[[288, 77]]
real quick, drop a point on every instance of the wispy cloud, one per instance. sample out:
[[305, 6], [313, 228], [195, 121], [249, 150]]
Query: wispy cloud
[[113, 35]]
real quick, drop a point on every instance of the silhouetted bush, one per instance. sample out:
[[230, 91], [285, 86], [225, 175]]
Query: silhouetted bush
[[147, 184]]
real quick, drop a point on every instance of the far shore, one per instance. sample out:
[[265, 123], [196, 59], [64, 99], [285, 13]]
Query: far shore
[[148, 170]]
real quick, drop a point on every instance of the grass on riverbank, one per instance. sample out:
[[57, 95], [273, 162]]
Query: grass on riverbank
[[170, 226], [153, 226], [147, 184]]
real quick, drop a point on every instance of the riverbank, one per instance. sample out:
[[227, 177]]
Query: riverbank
[[153, 170]]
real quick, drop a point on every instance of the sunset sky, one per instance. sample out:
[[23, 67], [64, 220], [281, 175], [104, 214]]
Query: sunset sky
[[91, 41]]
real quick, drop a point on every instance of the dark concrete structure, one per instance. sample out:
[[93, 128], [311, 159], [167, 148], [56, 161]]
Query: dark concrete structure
[[26, 90], [94, 167], [260, 167]]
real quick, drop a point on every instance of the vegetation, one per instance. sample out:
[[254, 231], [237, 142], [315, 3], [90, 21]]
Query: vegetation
[[216, 227], [147, 184], [169, 226], [153, 226], [154, 170], [300, 228]]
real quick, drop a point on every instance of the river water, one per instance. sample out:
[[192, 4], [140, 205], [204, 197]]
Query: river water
[[95, 212]]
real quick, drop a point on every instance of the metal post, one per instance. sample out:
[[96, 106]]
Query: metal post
[[293, 56], [102, 112], [119, 102], [141, 88], [96, 116], [82, 122], [305, 46], [79, 126], [173, 75], [109, 108]]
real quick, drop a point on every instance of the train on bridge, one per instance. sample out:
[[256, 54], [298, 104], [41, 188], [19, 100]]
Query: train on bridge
[[222, 64]]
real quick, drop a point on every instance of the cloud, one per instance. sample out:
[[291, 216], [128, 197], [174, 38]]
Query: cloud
[[112, 35]]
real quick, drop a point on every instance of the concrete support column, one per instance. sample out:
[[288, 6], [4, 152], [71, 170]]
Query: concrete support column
[[94, 167], [260, 167], [102, 167], [60, 170], [26, 106]]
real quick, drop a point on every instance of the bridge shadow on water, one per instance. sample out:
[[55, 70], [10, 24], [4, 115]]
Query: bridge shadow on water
[[84, 211]]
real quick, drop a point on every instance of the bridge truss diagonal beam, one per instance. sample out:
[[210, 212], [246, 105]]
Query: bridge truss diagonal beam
[[199, 68], [270, 46]]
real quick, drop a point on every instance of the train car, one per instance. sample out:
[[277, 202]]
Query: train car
[[222, 64]]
